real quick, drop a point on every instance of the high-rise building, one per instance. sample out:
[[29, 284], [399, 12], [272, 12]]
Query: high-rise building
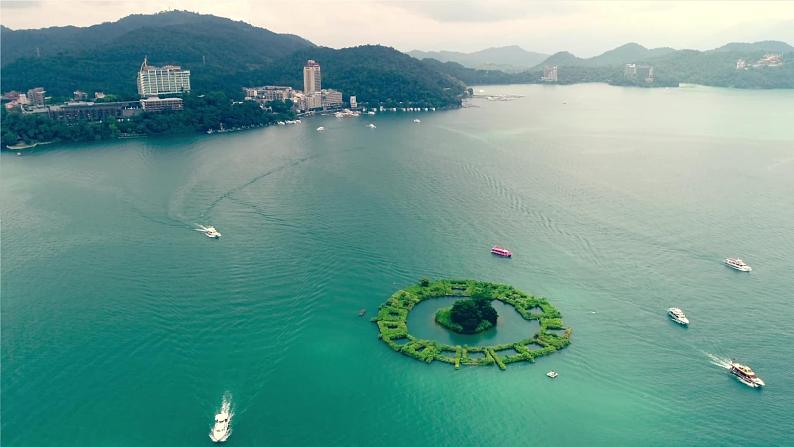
[[168, 79], [353, 102], [37, 96], [550, 74], [312, 81]]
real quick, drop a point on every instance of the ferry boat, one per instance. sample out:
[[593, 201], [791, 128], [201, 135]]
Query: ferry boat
[[678, 316], [737, 264], [746, 375], [220, 431], [499, 251]]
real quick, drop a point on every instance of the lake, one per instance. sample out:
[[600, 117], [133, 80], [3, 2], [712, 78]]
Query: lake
[[123, 326]]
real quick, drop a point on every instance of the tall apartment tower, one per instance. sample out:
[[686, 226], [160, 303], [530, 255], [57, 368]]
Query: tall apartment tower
[[168, 79], [311, 77]]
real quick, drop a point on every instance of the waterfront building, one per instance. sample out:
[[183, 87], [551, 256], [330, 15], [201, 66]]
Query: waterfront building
[[636, 71], [13, 95], [155, 104], [168, 79], [645, 72], [314, 100], [353, 103], [268, 93], [37, 96], [630, 71], [80, 95], [549, 74], [91, 111], [331, 98], [770, 60], [99, 95], [312, 80]]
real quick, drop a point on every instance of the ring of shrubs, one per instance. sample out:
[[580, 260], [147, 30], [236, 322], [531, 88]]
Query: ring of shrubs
[[393, 316]]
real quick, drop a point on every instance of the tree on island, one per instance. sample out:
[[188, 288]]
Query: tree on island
[[471, 314]]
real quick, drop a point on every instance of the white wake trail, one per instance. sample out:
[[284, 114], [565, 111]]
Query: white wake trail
[[719, 361]]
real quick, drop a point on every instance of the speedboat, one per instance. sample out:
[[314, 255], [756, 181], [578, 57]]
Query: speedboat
[[210, 231], [499, 251], [417, 120], [320, 129], [221, 430], [678, 316], [746, 375], [737, 264], [371, 126], [552, 374]]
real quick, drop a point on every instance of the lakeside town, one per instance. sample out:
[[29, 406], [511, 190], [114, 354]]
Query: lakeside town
[[162, 89]]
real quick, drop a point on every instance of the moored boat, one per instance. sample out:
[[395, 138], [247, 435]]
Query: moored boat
[[737, 264], [678, 316], [499, 251], [746, 375]]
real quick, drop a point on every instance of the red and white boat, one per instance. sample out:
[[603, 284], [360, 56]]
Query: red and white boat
[[499, 251]]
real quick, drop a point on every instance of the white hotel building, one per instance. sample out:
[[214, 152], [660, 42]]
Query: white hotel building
[[168, 79]]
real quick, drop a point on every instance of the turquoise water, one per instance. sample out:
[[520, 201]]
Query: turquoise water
[[122, 326]]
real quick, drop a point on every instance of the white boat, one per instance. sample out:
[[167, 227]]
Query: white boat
[[320, 129], [371, 126], [737, 264], [678, 316], [210, 231], [221, 430], [417, 120], [370, 112], [552, 374], [746, 375]]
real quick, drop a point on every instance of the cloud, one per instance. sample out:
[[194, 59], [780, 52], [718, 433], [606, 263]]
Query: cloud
[[461, 11], [19, 4]]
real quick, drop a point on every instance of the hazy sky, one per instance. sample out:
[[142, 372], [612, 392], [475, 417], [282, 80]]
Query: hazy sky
[[583, 27]]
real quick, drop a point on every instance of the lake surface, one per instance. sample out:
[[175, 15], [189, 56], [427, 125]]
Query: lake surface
[[121, 326]]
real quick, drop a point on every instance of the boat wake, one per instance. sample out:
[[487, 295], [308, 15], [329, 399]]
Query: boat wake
[[719, 361]]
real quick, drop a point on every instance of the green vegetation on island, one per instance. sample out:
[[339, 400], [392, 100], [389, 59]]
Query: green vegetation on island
[[393, 316], [468, 316], [201, 113]]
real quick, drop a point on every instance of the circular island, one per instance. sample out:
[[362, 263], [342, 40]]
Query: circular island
[[474, 314]]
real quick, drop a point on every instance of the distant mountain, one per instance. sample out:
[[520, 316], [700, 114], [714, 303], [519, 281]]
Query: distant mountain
[[772, 46], [222, 55], [509, 58], [189, 37], [563, 58], [624, 54], [628, 53]]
